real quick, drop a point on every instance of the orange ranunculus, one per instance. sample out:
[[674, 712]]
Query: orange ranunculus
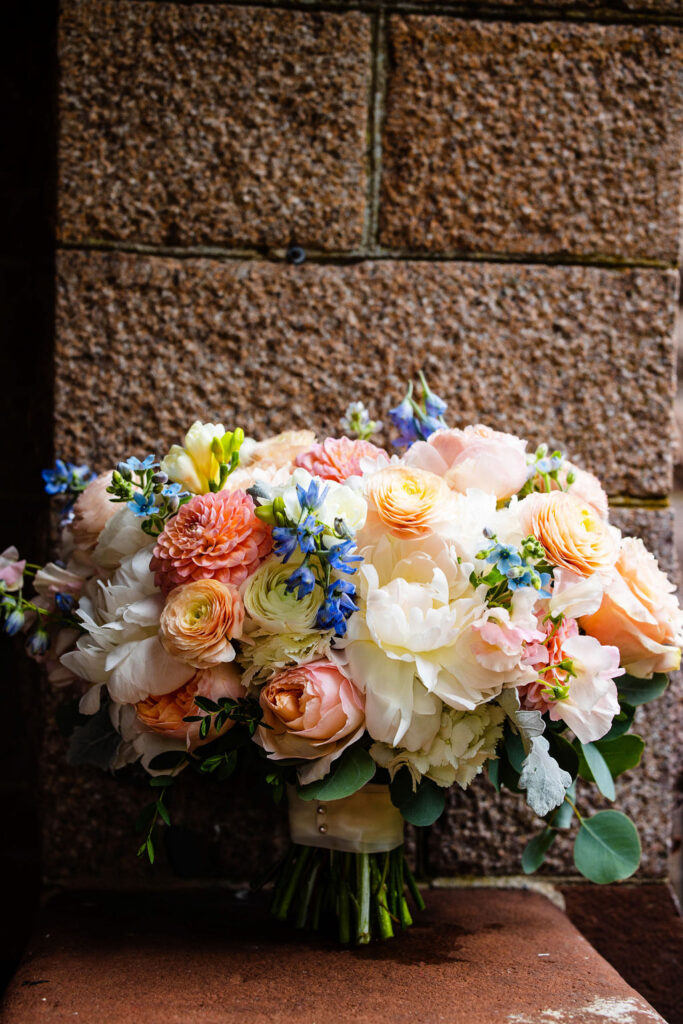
[[199, 620], [410, 502], [639, 613], [572, 532]]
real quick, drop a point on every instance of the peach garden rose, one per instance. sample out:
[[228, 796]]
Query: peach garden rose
[[165, 714]]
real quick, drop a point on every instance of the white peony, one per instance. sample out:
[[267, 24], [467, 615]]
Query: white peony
[[464, 741], [121, 648], [122, 537]]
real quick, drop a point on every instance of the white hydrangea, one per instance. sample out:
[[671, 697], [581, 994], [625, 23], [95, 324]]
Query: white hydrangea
[[464, 742]]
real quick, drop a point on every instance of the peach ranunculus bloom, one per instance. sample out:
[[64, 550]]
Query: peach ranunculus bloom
[[278, 451], [92, 511], [337, 458], [312, 712], [639, 613], [165, 714], [585, 487], [199, 620], [572, 532], [476, 457], [407, 501], [215, 536]]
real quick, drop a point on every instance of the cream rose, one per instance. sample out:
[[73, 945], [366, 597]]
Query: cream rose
[[572, 532], [310, 712], [199, 620], [639, 613]]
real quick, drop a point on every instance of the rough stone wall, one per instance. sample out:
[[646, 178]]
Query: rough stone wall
[[487, 191]]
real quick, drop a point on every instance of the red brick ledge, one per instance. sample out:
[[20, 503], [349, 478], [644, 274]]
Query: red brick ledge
[[474, 957]]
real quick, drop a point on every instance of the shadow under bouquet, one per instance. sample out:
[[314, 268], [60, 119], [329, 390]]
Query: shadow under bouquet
[[377, 629]]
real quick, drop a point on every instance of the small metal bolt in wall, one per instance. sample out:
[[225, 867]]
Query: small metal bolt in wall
[[296, 255]]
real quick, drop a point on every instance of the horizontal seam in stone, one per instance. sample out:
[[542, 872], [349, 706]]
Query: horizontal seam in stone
[[352, 256], [490, 12]]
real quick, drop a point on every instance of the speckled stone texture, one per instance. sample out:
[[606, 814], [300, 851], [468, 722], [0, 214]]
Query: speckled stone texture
[[542, 138], [577, 356], [485, 833], [474, 957], [210, 124], [573, 7]]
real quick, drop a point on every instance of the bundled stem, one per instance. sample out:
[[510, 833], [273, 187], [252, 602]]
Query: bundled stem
[[363, 896]]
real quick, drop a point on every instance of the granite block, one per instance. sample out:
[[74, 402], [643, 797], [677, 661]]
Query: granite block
[[580, 357], [209, 124], [544, 139], [485, 833]]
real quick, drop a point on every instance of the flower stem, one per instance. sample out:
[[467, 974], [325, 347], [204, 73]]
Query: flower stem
[[363, 890], [304, 853], [412, 887]]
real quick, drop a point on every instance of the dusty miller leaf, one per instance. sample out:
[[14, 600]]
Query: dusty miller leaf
[[528, 724], [542, 778]]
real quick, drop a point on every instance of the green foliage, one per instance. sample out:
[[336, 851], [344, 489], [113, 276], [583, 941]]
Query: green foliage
[[641, 691], [95, 742], [423, 806], [597, 769], [618, 755], [347, 775], [607, 847], [151, 814], [536, 849]]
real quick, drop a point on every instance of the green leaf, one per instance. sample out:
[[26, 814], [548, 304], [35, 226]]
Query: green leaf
[[163, 812], [493, 768], [536, 849], [348, 774], [167, 761], [401, 787], [641, 691], [514, 748], [145, 818], [96, 742], [599, 770], [150, 849], [563, 752], [622, 722], [206, 704], [161, 782], [562, 818], [620, 755], [607, 847], [425, 805]]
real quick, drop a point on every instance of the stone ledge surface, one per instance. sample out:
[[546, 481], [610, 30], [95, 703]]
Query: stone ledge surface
[[539, 138], [475, 957], [256, 137]]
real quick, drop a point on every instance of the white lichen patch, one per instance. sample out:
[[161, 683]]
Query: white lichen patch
[[600, 1010]]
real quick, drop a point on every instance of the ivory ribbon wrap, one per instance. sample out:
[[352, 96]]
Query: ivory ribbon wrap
[[366, 822]]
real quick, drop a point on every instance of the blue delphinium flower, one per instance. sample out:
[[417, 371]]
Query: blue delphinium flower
[[38, 643], [306, 533], [302, 580], [142, 505], [403, 418], [66, 478], [65, 603], [14, 622], [284, 541], [136, 466], [337, 607], [505, 557], [340, 557], [312, 498]]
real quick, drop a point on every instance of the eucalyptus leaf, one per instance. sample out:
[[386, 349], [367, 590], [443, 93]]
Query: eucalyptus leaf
[[425, 805], [599, 770], [622, 722], [619, 754], [607, 847], [493, 769], [536, 849], [543, 779], [563, 817], [96, 742], [563, 752], [401, 787], [348, 774], [641, 691]]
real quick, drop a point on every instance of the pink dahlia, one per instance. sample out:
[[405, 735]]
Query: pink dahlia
[[337, 458], [215, 536]]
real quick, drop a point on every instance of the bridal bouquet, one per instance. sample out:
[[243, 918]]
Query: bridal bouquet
[[364, 630]]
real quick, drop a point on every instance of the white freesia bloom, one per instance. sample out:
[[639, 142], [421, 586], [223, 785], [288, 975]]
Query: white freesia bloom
[[465, 740], [195, 465], [122, 649], [342, 501]]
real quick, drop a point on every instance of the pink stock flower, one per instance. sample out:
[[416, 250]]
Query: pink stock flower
[[476, 457], [12, 569], [337, 458], [214, 536]]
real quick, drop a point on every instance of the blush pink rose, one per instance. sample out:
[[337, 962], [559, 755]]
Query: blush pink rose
[[214, 536], [312, 712], [165, 714], [337, 458], [639, 613], [476, 457]]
